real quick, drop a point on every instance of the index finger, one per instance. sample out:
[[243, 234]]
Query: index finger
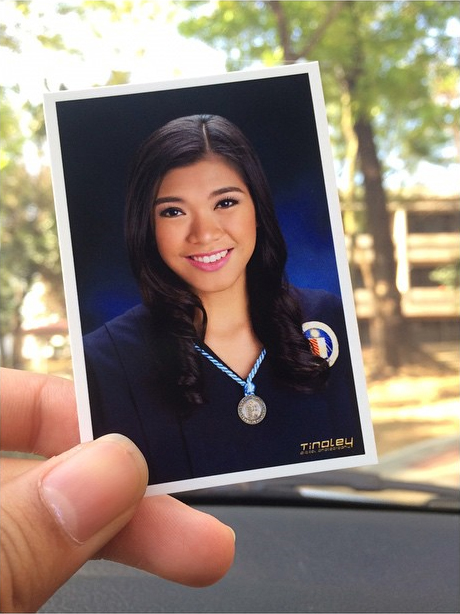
[[38, 414]]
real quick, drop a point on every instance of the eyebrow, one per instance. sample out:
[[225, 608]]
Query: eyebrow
[[218, 192], [167, 199]]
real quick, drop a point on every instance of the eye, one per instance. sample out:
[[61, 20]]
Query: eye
[[170, 212], [226, 203]]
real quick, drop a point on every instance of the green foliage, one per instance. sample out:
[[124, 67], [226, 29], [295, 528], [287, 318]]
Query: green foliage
[[393, 63], [246, 31], [448, 275], [395, 57], [8, 41], [28, 230], [383, 67], [118, 77], [10, 135], [28, 237]]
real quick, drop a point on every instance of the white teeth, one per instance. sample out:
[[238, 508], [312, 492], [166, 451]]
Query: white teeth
[[211, 258]]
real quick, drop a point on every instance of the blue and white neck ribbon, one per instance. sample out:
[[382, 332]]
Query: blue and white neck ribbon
[[247, 384], [251, 408]]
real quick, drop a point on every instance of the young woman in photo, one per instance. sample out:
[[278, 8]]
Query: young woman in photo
[[224, 367]]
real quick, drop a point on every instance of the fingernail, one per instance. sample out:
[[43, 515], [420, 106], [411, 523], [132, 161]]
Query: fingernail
[[94, 486], [232, 532]]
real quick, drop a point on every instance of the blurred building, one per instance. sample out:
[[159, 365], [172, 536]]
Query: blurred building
[[44, 336], [427, 250]]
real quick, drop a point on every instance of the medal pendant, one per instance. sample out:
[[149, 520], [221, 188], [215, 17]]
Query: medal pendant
[[251, 409]]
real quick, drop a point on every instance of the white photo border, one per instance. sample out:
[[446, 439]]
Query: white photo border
[[70, 283]]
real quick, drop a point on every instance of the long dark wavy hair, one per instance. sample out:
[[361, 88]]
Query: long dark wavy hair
[[274, 312]]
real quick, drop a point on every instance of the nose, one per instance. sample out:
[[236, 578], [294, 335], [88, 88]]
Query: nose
[[205, 228]]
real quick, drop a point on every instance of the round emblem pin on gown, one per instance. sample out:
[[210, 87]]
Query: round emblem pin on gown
[[323, 341], [251, 409]]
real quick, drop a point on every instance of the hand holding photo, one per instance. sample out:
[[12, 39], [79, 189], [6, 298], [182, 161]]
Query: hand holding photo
[[210, 307]]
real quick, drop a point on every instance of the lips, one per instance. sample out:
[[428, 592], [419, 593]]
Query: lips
[[211, 261]]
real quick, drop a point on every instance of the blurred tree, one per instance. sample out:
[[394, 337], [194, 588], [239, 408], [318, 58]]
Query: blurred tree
[[385, 67], [28, 232], [389, 76], [29, 249], [29, 241]]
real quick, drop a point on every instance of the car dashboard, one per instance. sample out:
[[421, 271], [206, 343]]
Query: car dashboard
[[301, 555]]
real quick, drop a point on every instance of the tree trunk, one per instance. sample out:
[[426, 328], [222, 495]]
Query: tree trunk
[[386, 325]]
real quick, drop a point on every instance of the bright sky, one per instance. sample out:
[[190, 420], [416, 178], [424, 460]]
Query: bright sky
[[150, 49]]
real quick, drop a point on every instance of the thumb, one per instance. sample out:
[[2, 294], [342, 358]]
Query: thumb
[[60, 513]]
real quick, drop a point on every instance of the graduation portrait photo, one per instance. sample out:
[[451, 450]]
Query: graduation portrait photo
[[209, 301]]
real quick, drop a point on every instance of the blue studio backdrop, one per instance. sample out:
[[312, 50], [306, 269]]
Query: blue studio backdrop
[[99, 137]]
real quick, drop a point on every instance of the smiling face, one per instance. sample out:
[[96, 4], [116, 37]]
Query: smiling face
[[205, 225]]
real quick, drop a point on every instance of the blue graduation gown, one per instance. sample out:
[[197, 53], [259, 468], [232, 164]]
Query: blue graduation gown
[[125, 397]]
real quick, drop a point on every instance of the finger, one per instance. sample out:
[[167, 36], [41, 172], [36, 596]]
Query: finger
[[165, 537], [12, 467], [172, 540], [61, 512], [38, 413]]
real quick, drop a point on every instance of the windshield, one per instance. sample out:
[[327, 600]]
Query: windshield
[[405, 289]]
